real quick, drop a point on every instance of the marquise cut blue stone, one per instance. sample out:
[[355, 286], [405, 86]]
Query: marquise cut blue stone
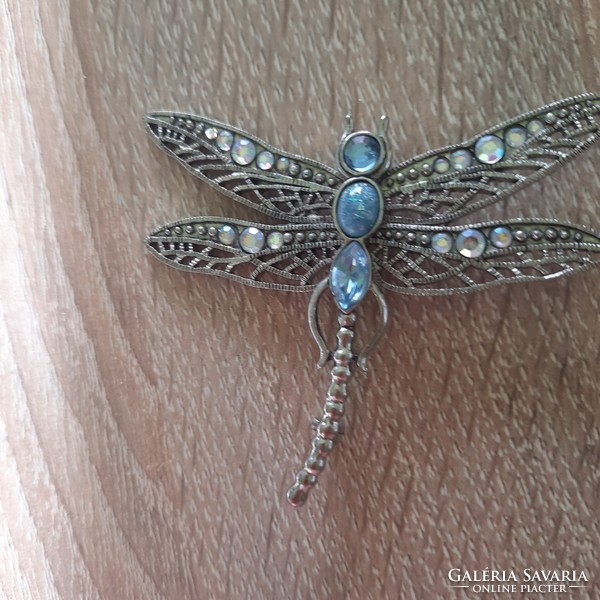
[[350, 276], [357, 209], [362, 153]]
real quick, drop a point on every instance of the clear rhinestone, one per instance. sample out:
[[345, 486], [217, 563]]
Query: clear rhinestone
[[534, 126], [227, 235], [564, 234], [461, 159], [294, 169], [211, 133], [307, 173], [213, 231], [283, 164], [300, 237], [201, 229], [515, 136], [441, 165], [288, 237], [520, 235], [470, 243], [489, 149], [551, 234], [411, 237], [427, 169], [536, 235], [442, 242], [252, 240], [501, 237], [243, 151], [224, 141], [275, 240], [265, 160]]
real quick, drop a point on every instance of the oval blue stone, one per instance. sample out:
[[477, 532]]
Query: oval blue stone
[[350, 276], [361, 153], [358, 209]]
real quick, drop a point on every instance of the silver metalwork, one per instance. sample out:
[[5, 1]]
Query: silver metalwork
[[422, 197]]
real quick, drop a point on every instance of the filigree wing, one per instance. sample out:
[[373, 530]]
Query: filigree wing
[[292, 257], [247, 169], [427, 260], [442, 185]]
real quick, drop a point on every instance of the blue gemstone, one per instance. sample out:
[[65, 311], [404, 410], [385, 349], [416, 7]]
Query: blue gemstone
[[350, 276], [362, 153], [358, 209]]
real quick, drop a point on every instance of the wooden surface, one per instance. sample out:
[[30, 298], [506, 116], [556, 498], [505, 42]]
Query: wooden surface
[[151, 421]]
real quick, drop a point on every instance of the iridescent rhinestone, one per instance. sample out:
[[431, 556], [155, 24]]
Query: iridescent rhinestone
[[501, 237], [224, 141], [243, 151], [275, 240], [361, 153], [470, 243], [227, 235], [442, 242], [211, 133], [441, 165], [461, 159], [515, 136], [265, 160], [489, 149], [520, 235], [252, 240], [283, 164], [534, 126], [358, 209]]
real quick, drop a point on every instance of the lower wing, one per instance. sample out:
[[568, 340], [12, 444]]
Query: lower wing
[[433, 260], [291, 257]]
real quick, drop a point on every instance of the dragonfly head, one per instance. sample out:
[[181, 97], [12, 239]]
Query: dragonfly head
[[363, 152]]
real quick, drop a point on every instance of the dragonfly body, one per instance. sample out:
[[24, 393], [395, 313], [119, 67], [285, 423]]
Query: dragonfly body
[[368, 226]]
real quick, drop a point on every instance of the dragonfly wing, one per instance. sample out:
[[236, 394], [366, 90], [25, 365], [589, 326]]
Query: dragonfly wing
[[291, 257], [442, 185], [406, 262], [251, 171]]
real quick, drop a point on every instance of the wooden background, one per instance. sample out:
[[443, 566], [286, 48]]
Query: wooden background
[[151, 421]]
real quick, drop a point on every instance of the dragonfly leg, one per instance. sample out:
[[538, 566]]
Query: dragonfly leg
[[330, 426]]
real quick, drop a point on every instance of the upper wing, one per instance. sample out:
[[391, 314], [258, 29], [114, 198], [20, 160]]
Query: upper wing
[[247, 169], [285, 257], [441, 185], [405, 259]]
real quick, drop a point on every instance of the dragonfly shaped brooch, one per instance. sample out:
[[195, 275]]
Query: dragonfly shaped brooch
[[367, 227]]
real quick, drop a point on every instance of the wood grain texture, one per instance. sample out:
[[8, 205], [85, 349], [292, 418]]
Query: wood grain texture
[[151, 421]]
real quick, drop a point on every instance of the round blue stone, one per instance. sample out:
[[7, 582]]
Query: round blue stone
[[361, 153], [350, 276], [358, 209]]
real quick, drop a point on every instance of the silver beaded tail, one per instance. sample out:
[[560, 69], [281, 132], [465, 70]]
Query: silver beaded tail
[[330, 426]]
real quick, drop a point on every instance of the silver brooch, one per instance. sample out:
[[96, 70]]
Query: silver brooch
[[367, 227]]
